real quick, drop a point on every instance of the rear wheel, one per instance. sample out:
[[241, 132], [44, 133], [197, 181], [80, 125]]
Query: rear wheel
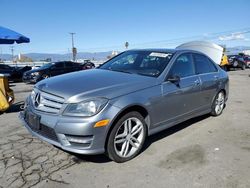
[[218, 104], [127, 137], [224, 67], [243, 66]]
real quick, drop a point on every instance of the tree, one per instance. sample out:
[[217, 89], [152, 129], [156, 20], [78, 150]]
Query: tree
[[126, 45]]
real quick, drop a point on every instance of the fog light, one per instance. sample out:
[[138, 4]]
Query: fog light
[[80, 139], [102, 123]]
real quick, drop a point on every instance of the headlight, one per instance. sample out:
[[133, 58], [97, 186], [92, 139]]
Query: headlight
[[85, 108], [35, 74], [32, 95]]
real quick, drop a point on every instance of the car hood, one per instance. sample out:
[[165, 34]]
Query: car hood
[[78, 86]]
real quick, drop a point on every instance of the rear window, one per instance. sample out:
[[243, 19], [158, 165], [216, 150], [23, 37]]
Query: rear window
[[203, 64]]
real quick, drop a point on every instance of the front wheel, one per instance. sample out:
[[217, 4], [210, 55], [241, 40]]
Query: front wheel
[[45, 76], [127, 137], [218, 104]]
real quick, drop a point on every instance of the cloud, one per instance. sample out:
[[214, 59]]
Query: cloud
[[234, 36]]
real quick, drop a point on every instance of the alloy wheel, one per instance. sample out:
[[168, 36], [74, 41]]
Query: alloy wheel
[[129, 137], [219, 103]]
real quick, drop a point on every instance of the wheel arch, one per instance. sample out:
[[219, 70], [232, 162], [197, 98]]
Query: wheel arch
[[219, 90], [137, 108]]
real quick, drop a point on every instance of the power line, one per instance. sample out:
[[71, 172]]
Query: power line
[[208, 36]]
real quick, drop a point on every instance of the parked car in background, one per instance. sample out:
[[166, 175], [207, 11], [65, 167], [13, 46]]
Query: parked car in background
[[14, 73], [6, 69], [247, 60], [236, 61], [87, 65], [131, 96], [49, 70]]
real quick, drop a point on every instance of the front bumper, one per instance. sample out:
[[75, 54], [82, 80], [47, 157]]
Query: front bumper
[[59, 131], [30, 79]]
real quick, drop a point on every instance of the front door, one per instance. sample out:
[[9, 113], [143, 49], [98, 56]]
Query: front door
[[181, 98]]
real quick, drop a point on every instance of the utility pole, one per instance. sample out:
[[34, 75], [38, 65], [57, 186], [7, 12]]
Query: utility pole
[[73, 47], [1, 54], [12, 53]]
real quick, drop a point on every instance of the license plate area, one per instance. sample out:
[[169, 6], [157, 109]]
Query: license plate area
[[32, 120]]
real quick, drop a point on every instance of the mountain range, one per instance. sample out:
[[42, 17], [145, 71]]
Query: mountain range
[[57, 57], [92, 56]]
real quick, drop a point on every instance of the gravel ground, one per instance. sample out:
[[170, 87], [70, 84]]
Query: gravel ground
[[202, 152]]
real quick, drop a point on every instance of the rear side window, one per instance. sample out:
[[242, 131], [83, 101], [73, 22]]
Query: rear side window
[[203, 64], [69, 64], [183, 66], [59, 65]]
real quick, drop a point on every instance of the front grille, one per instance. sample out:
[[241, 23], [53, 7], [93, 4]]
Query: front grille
[[47, 102], [45, 131]]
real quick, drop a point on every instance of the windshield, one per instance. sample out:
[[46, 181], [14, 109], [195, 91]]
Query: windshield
[[148, 63]]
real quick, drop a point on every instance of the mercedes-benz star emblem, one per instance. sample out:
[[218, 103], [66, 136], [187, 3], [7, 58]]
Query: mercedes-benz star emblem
[[37, 100]]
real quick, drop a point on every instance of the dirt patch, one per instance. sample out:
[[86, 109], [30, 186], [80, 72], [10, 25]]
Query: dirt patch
[[246, 148], [192, 155], [239, 102]]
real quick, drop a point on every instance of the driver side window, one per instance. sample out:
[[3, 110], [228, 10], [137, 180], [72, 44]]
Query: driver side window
[[183, 66]]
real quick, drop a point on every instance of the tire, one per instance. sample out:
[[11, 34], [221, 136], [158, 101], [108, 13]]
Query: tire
[[45, 76], [218, 104], [225, 68], [125, 143], [243, 67]]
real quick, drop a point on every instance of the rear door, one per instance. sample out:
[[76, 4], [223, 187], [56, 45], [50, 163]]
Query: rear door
[[69, 67], [209, 77]]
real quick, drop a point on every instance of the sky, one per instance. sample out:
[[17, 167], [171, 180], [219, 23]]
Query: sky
[[103, 25]]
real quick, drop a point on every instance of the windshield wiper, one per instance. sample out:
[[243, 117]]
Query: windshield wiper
[[124, 71], [146, 74]]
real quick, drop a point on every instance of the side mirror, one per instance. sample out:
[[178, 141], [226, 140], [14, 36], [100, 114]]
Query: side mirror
[[174, 79]]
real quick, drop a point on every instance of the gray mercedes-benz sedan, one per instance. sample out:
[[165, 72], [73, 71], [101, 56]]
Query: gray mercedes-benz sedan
[[112, 109]]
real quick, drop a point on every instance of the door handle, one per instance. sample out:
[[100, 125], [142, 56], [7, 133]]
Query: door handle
[[216, 77]]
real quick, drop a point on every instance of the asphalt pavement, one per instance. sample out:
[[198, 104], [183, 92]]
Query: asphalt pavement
[[202, 152]]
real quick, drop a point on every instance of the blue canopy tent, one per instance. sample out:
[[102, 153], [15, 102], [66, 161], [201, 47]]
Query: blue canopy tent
[[8, 36]]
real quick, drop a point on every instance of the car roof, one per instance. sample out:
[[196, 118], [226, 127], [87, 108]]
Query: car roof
[[165, 50]]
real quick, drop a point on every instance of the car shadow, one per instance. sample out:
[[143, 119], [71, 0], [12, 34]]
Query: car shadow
[[17, 107], [78, 158], [172, 130], [101, 158]]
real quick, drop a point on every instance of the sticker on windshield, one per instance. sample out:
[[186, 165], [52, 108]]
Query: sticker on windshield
[[158, 54]]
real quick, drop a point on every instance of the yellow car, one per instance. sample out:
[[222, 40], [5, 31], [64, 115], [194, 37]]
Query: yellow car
[[6, 94], [224, 62]]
